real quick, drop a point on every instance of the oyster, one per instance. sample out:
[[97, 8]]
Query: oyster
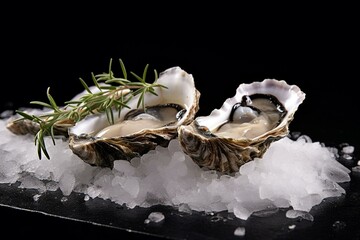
[[136, 130], [244, 127]]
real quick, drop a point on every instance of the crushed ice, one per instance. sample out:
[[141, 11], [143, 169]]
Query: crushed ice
[[292, 173]]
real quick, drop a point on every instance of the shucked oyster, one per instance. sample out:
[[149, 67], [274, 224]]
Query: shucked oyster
[[138, 130], [244, 127]]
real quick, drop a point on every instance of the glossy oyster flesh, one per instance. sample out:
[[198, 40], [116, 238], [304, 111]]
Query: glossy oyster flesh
[[244, 127], [136, 130]]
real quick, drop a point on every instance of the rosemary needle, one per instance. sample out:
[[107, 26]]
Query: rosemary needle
[[113, 95]]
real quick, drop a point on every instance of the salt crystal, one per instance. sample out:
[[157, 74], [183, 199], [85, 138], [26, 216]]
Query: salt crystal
[[36, 197], [239, 232], [86, 198], [292, 227], [155, 217], [348, 149]]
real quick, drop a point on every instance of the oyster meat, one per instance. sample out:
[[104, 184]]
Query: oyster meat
[[244, 127], [136, 130]]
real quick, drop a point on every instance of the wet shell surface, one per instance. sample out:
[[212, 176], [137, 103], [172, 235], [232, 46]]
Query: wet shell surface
[[244, 127], [137, 131]]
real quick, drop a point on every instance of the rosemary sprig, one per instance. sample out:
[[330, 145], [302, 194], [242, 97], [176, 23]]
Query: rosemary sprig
[[113, 93]]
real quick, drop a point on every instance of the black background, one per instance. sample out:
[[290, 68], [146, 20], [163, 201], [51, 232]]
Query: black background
[[316, 48]]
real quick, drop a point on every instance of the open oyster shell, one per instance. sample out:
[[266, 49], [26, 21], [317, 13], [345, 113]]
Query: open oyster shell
[[244, 127], [136, 131]]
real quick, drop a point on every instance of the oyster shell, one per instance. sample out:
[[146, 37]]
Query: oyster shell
[[244, 127], [136, 131], [26, 126]]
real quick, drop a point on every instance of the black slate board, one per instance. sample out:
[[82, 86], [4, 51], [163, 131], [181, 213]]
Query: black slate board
[[320, 56]]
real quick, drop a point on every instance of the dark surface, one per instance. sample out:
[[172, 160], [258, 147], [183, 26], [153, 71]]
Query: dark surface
[[320, 56]]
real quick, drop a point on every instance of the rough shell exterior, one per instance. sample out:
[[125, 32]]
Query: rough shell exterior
[[226, 155]]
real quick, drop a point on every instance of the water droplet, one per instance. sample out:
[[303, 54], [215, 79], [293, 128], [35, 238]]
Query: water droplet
[[292, 227], [36, 197]]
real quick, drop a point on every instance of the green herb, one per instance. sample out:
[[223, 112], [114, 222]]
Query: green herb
[[111, 97]]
